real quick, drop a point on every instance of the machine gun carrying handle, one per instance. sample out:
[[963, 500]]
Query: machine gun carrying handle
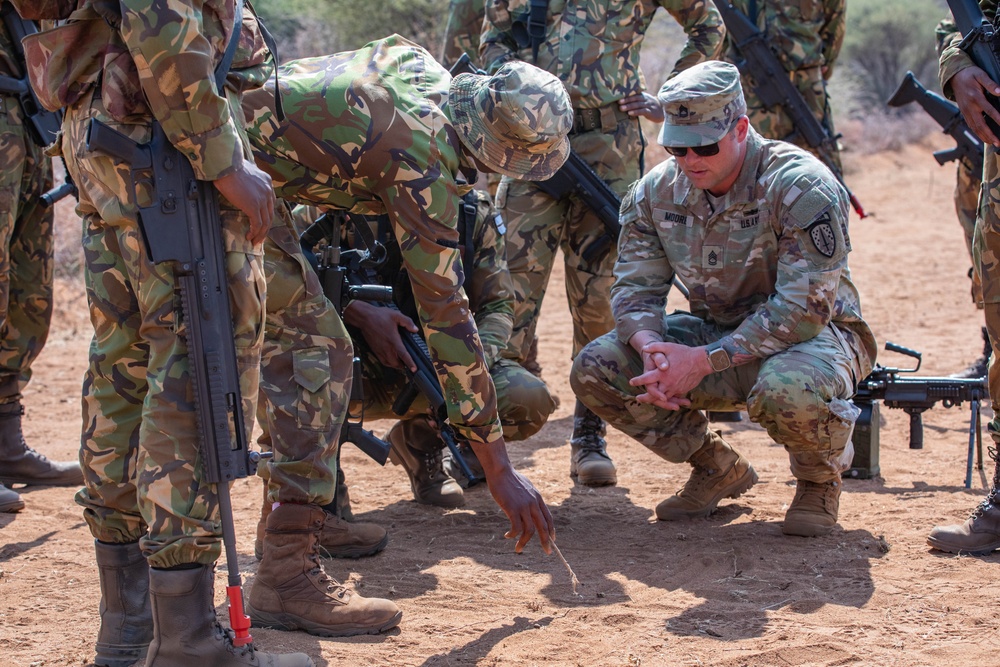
[[893, 347]]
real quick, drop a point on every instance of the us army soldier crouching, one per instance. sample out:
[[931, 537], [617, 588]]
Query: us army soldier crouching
[[757, 230]]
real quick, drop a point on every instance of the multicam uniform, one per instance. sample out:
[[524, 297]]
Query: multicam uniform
[[766, 265], [369, 131], [986, 240], [806, 35], [462, 32], [140, 445], [594, 50], [26, 240]]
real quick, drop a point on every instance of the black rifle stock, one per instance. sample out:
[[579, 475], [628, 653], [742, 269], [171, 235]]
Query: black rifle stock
[[773, 87], [947, 114], [182, 225], [979, 41], [42, 125], [914, 395]]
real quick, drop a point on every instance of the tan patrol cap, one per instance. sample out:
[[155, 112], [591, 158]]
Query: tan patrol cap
[[701, 104]]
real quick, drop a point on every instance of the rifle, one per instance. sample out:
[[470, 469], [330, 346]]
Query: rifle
[[914, 395], [181, 225], [356, 275], [979, 41], [42, 125], [774, 88], [947, 114]]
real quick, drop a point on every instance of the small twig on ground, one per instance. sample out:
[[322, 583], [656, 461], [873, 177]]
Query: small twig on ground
[[573, 581]]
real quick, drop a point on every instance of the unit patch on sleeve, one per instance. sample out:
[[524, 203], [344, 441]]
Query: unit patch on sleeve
[[823, 237]]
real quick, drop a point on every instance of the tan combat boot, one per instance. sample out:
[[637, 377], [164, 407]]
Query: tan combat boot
[[417, 447], [186, 631], [20, 464], [814, 509], [589, 462], [978, 536], [719, 472], [338, 538], [292, 592]]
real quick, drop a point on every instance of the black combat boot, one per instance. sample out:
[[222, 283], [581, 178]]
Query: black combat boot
[[10, 500], [20, 464], [980, 366], [126, 619], [186, 631], [980, 534], [589, 461]]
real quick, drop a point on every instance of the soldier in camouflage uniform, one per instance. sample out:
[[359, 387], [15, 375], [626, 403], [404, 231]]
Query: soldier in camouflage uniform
[[155, 520], [461, 33], [757, 230], [967, 84], [26, 260], [385, 129], [523, 401], [593, 47], [806, 35], [967, 187]]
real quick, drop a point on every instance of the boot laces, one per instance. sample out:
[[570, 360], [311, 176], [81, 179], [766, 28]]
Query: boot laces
[[588, 434], [227, 635], [992, 499]]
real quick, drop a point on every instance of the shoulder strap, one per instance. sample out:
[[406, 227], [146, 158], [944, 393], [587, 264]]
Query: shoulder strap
[[466, 235], [222, 70]]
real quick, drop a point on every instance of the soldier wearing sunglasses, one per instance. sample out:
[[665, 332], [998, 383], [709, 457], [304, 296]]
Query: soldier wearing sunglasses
[[757, 230]]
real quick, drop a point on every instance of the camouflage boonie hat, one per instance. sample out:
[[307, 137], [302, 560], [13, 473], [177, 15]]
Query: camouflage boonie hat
[[701, 104], [516, 121]]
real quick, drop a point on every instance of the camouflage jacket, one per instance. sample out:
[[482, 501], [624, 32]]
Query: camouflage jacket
[[461, 34], [803, 33], [150, 59], [952, 59], [368, 131], [593, 46], [9, 64], [768, 259]]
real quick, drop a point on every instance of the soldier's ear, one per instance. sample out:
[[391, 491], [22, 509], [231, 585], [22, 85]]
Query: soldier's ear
[[742, 128]]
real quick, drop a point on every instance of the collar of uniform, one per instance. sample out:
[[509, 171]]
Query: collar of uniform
[[742, 191]]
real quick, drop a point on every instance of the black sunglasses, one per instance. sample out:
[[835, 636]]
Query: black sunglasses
[[703, 151]]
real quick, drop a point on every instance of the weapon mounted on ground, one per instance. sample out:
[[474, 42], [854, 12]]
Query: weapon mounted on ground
[[914, 395]]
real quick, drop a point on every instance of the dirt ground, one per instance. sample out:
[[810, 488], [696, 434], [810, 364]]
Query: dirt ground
[[729, 590]]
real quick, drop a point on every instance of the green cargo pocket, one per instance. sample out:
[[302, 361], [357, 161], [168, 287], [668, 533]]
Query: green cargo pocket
[[311, 372]]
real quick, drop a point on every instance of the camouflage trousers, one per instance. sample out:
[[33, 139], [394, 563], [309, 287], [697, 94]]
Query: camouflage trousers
[[967, 187], [523, 401], [986, 262], [26, 251], [305, 376], [143, 471], [801, 396], [538, 226], [775, 123]]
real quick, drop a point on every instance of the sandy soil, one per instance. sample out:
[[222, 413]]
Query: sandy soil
[[728, 591]]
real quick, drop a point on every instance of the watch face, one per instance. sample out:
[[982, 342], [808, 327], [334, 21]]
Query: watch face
[[719, 359]]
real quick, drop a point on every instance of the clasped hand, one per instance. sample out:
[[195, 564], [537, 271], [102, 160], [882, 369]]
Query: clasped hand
[[671, 371]]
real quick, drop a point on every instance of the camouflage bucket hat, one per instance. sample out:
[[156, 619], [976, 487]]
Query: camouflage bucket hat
[[701, 104], [516, 121]]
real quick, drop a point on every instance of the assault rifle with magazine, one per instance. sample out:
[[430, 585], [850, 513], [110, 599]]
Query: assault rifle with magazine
[[967, 145], [773, 87], [914, 395], [351, 274], [981, 43]]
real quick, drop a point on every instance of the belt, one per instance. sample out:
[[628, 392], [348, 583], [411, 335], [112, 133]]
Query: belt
[[604, 118]]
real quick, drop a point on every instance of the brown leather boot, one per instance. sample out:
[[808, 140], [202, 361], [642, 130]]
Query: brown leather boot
[[814, 509], [126, 618], [980, 534], [20, 464], [589, 462], [292, 592], [417, 447], [338, 538], [186, 631], [719, 472], [981, 366], [10, 500]]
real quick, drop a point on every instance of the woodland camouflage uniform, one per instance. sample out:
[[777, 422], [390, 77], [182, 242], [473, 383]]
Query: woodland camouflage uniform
[[462, 31], [766, 266], [806, 35], [578, 49], [406, 161]]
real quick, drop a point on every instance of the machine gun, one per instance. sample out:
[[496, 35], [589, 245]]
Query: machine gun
[[967, 145], [979, 41], [350, 274], [914, 395], [42, 125], [181, 225], [773, 88]]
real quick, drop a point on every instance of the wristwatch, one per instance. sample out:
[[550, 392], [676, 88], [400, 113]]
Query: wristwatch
[[719, 359]]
